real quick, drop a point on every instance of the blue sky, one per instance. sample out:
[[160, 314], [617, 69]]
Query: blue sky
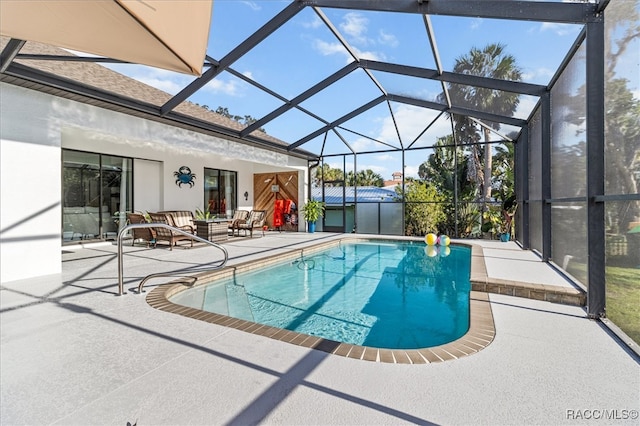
[[303, 52]]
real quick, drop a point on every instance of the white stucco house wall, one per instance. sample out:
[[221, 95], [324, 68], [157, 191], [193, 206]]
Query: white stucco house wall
[[34, 129]]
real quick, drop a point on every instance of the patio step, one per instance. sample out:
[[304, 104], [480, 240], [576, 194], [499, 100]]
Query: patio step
[[480, 281]]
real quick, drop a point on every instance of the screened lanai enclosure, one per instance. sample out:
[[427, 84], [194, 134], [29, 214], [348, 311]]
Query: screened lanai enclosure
[[499, 117]]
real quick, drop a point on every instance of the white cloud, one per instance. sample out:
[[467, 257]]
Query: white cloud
[[559, 29], [368, 54], [252, 5], [165, 85], [412, 120], [312, 24], [354, 25], [167, 81], [172, 82], [525, 106], [361, 144], [388, 132], [538, 74], [476, 23], [411, 171], [387, 39], [328, 49], [384, 157], [229, 87], [386, 164]]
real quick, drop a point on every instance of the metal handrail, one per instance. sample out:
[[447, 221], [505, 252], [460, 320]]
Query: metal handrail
[[165, 226]]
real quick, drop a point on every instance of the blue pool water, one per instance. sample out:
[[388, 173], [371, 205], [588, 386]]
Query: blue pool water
[[395, 295]]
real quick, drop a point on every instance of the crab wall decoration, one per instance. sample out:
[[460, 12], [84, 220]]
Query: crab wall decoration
[[184, 176]]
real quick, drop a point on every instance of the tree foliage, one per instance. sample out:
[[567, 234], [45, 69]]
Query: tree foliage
[[503, 181], [424, 211], [335, 177], [493, 62], [622, 116], [365, 177], [329, 175], [247, 120], [622, 119], [446, 169]]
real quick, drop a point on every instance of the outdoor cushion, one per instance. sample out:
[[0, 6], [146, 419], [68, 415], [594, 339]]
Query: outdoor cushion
[[182, 219], [256, 219], [163, 234]]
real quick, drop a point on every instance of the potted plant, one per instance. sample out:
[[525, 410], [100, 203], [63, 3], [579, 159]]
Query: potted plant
[[491, 223], [311, 212], [509, 207], [206, 216]]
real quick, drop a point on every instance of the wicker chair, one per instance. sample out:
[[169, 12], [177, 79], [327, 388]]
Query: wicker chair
[[238, 215], [163, 234], [147, 234], [256, 219]]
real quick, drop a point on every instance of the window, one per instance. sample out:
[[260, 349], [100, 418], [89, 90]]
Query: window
[[96, 191], [220, 191]]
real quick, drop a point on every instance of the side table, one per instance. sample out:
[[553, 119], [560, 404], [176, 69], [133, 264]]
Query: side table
[[215, 230]]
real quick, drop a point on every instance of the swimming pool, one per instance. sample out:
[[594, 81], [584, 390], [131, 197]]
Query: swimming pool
[[382, 294]]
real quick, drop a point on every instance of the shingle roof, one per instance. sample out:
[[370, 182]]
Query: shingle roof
[[95, 75]]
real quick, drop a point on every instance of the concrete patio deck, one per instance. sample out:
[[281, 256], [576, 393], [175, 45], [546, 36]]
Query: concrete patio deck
[[72, 352]]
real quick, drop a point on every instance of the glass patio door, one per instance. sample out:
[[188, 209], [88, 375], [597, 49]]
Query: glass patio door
[[220, 192], [96, 193]]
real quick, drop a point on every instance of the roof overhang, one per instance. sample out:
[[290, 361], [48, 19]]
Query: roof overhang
[[41, 81]]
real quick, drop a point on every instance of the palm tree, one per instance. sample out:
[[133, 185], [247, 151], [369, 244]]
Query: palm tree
[[446, 168], [491, 62], [326, 174], [364, 178]]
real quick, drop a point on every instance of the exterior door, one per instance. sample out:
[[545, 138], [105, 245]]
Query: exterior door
[[96, 191]]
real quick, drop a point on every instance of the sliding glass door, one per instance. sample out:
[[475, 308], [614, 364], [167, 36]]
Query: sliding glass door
[[220, 192], [96, 193]]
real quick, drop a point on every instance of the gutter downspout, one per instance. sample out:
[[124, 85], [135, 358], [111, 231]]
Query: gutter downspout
[[311, 165]]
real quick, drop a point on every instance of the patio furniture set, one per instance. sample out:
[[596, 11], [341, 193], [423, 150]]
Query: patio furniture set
[[215, 230]]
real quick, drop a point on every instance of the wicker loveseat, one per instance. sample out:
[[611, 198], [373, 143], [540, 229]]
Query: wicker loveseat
[[163, 234], [182, 219]]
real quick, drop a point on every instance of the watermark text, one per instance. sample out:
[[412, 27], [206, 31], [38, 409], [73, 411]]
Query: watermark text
[[601, 414]]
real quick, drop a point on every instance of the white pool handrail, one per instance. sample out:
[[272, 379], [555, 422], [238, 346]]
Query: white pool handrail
[[165, 226]]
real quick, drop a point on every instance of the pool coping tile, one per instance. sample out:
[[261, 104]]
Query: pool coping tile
[[386, 356], [416, 358], [479, 335], [430, 356], [370, 354]]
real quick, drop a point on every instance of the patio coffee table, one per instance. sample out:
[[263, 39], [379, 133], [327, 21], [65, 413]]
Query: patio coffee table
[[212, 230]]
